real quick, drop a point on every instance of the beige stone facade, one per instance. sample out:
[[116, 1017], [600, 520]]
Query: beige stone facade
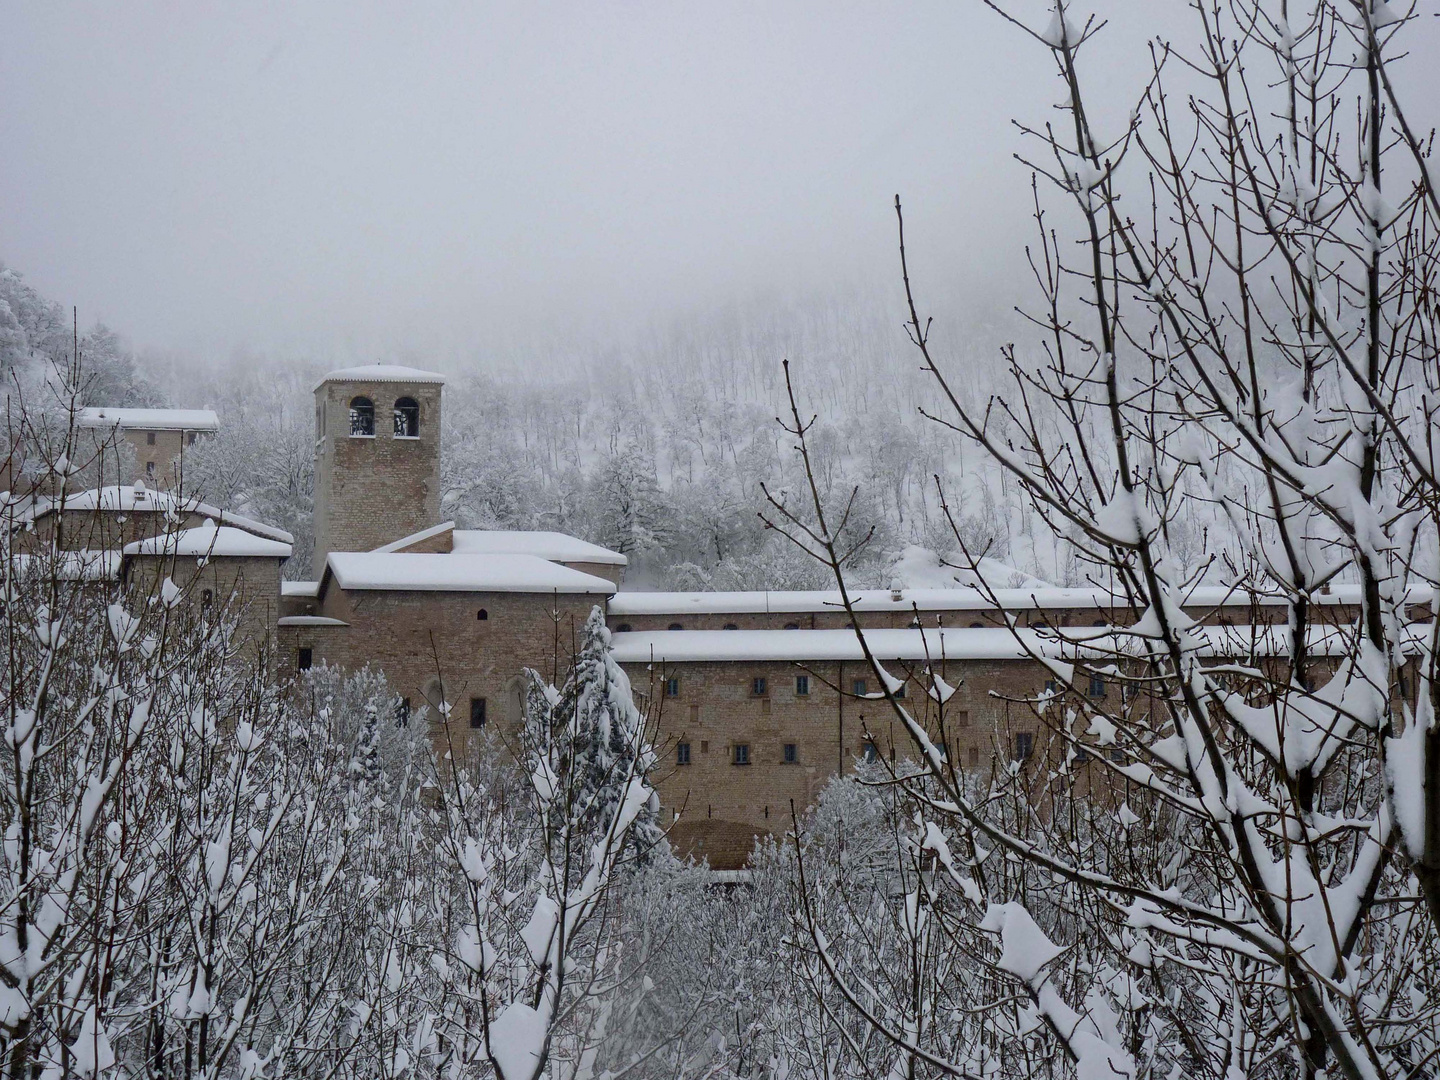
[[156, 440], [376, 488]]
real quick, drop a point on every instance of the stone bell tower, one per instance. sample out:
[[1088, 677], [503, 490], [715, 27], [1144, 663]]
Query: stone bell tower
[[377, 457]]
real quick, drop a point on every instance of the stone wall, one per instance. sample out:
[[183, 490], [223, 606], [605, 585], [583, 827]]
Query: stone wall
[[714, 708], [371, 490], [248, 587], [419, 638]]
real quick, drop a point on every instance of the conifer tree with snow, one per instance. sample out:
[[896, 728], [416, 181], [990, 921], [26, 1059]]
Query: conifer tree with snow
[[598, 736]]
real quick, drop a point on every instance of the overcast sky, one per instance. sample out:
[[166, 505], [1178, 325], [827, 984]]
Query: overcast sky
[[372, 177]]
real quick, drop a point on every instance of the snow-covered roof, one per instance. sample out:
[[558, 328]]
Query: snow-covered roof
[[299, 588], [309, 620], [150, 419], [207, 540], [83, 565], [957, 599], [957, 643], [381, 373], [555, 546], [125, 499], [417, 537], [443, 572]]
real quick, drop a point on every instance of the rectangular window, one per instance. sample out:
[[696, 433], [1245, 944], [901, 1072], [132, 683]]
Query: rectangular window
[[672, 687], [871, 752], [972, 757], [306, 659], [792, 753], [742, 753], [190, 439], [682, 753], [402, 712], [1097, 686], [1117, 755], [962, 718], [150, 438], [758, 687], [704, 746], [859, 688], [802, 685], [1024, 745], [150, 468], [899, 691], [477, 712]]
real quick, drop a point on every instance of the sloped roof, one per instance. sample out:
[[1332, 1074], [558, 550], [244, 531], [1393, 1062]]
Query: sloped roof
[[441, 572], [555, 546], [149, 419], [381, 373], [125, 499], [206, 540], [958, 643], [966, 598]]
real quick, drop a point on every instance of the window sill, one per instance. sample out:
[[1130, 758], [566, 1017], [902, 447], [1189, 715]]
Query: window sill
[[741, 764], [362, 436], [406, 438]]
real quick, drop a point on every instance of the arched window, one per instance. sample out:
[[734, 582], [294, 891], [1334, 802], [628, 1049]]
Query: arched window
[[482, 615], [731, 626], [792, 626], [362, 416], [676, 626], [407, 419], [623, 628]]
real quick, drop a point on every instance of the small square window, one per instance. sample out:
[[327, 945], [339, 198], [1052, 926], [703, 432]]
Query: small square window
[[962, 718], [1024, 745], [682, 753], [802, 685], [477, 712], [306, 660], [1117, 755], [871, 752], [758, 687], [150, 438], [899, 691], [742, 753], [792, 753], [672, 687], [859, 688]]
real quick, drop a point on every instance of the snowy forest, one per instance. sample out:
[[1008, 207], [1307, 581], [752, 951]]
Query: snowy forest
[[1225, 371]]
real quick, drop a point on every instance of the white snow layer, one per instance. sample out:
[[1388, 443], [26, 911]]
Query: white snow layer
[[382, 373], [149, 419], [210, 540], [459, 573]]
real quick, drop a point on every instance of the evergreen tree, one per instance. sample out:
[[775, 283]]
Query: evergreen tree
[[589, 737]]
